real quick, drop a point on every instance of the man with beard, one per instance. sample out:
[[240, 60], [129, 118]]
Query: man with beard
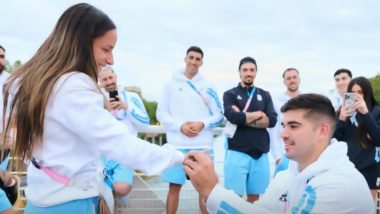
[[246, 169], [5, 205], [128, 108], [292, 81]]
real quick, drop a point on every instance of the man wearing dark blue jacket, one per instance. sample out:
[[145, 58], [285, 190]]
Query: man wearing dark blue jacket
[[251, 110]]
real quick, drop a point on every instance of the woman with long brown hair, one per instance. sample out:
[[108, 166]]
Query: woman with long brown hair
[[62, 126], [359, 126]]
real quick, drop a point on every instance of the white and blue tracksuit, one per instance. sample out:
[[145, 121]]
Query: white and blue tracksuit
[[331, 184], [180, 102], [134, 117]]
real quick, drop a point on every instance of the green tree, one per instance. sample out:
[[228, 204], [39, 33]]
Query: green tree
[[10, 68], [375, 82], [151, 107]]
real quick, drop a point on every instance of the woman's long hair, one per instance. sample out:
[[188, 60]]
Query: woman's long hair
[[68, 48], [370, 101]]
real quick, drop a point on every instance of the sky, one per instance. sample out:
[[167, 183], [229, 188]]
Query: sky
[[316, 37]]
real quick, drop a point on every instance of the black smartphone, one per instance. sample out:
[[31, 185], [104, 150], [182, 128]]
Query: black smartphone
[[114, 95]]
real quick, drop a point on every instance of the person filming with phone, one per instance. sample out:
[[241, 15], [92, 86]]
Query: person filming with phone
[[128, 108], [358, 124], [108, 81]]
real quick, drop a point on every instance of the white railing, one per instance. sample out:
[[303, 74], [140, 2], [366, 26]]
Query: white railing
[[148, 194]]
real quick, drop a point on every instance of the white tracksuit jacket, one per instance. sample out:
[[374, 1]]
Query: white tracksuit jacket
[[78, 130], [329, 185], [181, 103]]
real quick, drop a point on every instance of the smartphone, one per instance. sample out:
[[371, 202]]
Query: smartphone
[[114, 95], [349, 100]]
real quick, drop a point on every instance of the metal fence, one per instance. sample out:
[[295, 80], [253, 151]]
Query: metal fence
[[148, 194]]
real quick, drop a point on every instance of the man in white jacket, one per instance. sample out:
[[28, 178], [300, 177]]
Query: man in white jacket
[[342, 77], [291, 79], [322, 180], [189, 109], [127, 107]]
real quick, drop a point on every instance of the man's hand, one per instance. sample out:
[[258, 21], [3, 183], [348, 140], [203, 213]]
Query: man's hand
[[253, 116], [192, 129], [235, 108], [118, 105], [196, 126], [344, 113], [360, 104], [187, 130], [201, 171], [261, 123]]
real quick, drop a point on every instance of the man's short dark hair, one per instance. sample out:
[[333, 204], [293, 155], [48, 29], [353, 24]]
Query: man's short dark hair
[[195, 49], [247, 59], [1, 47], [343, 70], [316, 105], [289, 69]]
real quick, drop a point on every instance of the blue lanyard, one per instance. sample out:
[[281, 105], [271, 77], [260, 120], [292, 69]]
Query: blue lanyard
[[203, 98]]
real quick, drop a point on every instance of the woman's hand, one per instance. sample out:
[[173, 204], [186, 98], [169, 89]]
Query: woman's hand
[[360, 104], [345, 112]]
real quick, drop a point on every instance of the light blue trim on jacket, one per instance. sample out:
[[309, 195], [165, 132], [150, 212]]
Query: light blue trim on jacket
[[306, 203]]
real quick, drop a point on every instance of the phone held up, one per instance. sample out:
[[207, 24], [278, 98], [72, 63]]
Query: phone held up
[[349, 100], [114, 96]]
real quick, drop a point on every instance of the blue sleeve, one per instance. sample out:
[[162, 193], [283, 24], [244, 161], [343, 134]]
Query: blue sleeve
[[216, 117], [136, 108]]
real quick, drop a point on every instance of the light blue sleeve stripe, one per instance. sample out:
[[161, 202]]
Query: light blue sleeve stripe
[[4, 164], [306, 203], [227, 208], [141, 115], [4, 202], [142, 119], [216, 124], [377, 158], [138, 103], [215, 97]]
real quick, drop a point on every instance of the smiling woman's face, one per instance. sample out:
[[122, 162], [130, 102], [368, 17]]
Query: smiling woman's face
[[103, 47]]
